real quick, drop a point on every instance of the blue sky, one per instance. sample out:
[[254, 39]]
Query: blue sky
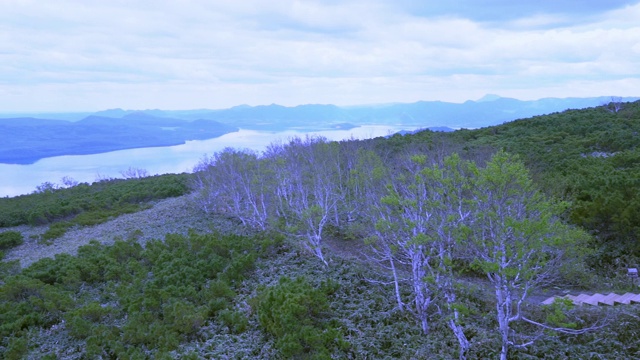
[[91, 55]]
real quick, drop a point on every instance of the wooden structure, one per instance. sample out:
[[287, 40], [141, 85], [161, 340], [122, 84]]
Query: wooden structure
[[598, 299]]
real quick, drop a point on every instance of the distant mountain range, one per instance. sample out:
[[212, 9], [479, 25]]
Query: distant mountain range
[[489, 110], [27, 138]]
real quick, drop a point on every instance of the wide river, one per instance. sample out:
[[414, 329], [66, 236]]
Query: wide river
[[23, 179]]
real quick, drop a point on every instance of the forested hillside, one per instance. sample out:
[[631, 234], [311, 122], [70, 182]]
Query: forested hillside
[[588, 157], [416, 246]]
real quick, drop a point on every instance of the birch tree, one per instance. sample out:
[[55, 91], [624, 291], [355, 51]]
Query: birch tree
[[432, 205], [403, 221], [238, 183], [360, 177], [448, 186], [368, 183], [307, 172], [515, 238], [204, 182]]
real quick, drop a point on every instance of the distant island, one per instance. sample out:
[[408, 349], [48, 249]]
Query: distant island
[[27, 138]]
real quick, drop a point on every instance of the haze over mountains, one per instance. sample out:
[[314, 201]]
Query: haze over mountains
[[30, 137]]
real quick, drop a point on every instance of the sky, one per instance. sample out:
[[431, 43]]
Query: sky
[[92, 55]]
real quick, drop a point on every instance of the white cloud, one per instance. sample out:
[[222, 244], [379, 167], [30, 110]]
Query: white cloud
[[90, 55]]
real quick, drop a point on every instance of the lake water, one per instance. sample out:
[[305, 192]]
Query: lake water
[[23, 179]]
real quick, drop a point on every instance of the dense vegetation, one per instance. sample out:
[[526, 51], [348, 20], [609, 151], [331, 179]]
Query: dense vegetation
[[450, 236], [8, 240], [220, 296], [126, 301], [428, 218], [589, 157], [85, 204]]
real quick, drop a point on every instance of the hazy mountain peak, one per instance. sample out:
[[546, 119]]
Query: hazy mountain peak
[[489, 97], [114, 113]]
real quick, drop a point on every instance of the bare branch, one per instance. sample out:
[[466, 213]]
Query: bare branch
[[565, 330]]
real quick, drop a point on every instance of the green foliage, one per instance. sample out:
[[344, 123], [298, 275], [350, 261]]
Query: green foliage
[[55, 231], [294, 312], [8, 268], [360, 311], [606, 194], [124, 300], [95, 217], [100, 200], [17, 348], [82, 320], [27, 302], [236, 321], [589, 157], [10, 239], [556, 314]]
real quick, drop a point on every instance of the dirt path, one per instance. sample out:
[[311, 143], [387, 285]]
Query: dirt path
[[174, 215]]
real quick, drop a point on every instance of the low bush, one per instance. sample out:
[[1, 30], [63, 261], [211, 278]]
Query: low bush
[[26, 302], [105, 198], [89, 218], [295, 313], [10, 239], [55, 231], [236, 321], [126, 301]]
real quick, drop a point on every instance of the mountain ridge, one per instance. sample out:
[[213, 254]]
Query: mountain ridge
[[29, 138]]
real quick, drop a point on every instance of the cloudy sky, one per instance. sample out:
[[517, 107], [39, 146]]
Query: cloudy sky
[[91, 55]]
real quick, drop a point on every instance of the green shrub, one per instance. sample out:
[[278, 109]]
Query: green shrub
[[126, 301], [55, 231], [236, 321], [100, 216], [63, 270], [106, 198], [10, 239], [27, 302], [17, 348], [8, 268], [295, 313], [182, 317], [143, 328]]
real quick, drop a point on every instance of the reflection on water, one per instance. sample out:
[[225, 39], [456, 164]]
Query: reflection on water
[[23, 179]]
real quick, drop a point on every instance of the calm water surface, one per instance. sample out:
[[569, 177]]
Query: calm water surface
[[23, 179]]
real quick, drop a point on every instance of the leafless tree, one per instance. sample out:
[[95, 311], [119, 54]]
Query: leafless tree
[[235, 182], [307, 175], [68, 181], [615, 105], [134, 173]]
